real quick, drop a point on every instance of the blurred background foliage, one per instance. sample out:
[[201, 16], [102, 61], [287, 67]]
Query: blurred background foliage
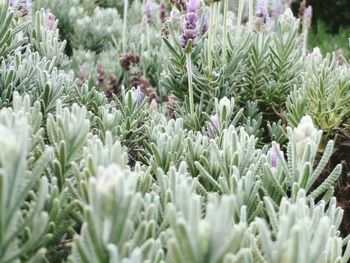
[[330, 25]]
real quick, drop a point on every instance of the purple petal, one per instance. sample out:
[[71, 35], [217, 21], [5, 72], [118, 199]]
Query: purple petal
[[193, 6], [191, 18]]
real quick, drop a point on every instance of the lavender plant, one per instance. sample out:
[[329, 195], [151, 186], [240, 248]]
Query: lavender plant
[[167, 132]]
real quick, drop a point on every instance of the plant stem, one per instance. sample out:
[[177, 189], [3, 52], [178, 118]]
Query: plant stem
[[190, 84], [217, 14], [306, 33], [250, 22], [148, 37], [210, 36], [225, 31], [126, 7], [239, 18]]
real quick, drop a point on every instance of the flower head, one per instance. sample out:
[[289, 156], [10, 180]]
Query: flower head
[[277, 8], [225, 103], [272, 154], [50, 19], [139, 96], [163, 13], [23, 7], [190, 23], [261, 10], [147, 15], [307, 17], [193, 6], [213, 126], [129, 58]]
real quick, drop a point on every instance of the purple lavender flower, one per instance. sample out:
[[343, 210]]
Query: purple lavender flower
[[277, 8], [163, 12], [190, 30], [213, 126], [147, 15], [26, 7], [21, 7], [273, 156], [139, 96], [50, 19], [307, 16], [261, 10], [193, 6]]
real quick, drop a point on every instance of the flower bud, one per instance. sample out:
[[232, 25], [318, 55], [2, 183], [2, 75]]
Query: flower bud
[[307, 16], [50, 20], [225, 103], [316, 52], [286, 19], [139, 96], [261, 10], [213, 126], [175, 19], [305, 133], [272, 155]]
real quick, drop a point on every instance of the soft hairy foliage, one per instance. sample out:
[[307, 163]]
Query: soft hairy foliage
[[119, 144]]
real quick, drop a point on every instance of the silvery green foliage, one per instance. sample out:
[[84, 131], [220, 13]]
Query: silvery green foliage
[[110, 3], [126, 122], [24, 223], [89, 97], [259, 66], [214, 238], [297, 171], [66, 11], [86, 179], [45, 40], [166, 144], [97, 153], [302, 232], [94, 31], [31, 66], [323, 94], [105, 235], [12, 34], [67, 132]]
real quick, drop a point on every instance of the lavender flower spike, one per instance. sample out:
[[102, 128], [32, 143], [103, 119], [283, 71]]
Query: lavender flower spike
[[190, 24], [261, 10], [193, 6], [147, 15], [139, 96], [50, 19], [273, 156], [307, 16], [213, 126]]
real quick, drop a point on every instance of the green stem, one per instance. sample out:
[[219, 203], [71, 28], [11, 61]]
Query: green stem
[[239, 18], [126, 6], [217, 14], [148, 37], [225, 31], [210, 36], [306, 32], [251, 15], [190, 84]]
